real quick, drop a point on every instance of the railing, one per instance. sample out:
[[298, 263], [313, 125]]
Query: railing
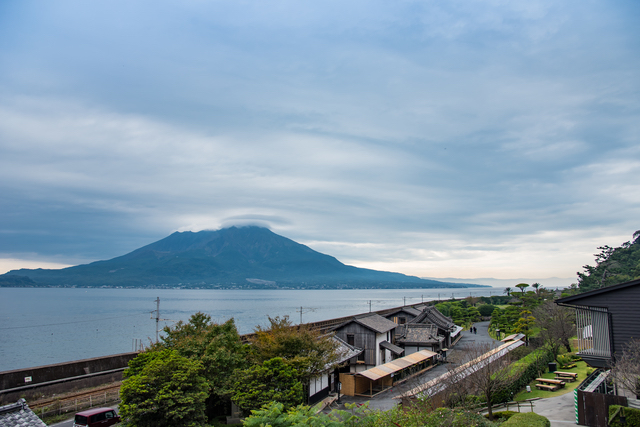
[[76, 403], [592, 324]]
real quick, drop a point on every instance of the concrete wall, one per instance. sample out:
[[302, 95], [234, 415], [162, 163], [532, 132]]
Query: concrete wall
[[58, 371]]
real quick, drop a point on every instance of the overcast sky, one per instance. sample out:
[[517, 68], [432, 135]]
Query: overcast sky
[[459, 138]]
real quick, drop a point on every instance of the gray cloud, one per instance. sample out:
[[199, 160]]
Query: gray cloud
[[456, 139]]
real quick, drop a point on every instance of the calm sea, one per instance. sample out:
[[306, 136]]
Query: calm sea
[[52, 325]]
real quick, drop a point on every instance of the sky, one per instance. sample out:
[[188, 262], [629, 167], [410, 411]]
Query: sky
[[461, 139]]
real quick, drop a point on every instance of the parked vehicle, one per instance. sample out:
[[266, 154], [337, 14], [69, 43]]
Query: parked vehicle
[[97, 417]]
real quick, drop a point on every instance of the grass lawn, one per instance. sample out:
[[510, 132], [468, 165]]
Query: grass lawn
[[581, 369]]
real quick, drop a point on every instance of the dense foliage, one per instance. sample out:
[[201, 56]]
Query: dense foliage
[[218, 348], [527, 419], [631, 416], [274, 415], [166, 390], [613, 266], [272, 381], [525, 370], [306, 349]]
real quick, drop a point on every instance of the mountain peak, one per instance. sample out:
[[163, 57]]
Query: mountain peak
[[236, 256]]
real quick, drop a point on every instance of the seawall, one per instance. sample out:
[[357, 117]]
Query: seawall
[[34, 383]]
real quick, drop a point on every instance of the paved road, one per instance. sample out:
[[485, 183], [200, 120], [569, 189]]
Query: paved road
[[559, 410]]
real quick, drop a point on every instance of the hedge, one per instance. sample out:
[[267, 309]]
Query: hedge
[[527, 419], [527, 369], [631, 415]]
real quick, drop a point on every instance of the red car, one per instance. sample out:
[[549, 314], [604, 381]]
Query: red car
[[98, 417]]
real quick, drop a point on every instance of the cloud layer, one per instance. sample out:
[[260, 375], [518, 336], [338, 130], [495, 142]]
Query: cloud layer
[[458, 139]]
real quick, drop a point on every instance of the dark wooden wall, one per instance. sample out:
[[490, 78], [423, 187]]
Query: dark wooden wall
[[624, 307], [593, 408], [363, 338]]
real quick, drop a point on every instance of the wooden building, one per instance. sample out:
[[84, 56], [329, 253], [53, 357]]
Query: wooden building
[[403, 315], [606, 319], [413, 337], [372, 333]]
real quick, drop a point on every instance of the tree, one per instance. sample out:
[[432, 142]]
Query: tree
[[218, 348], [613, 266], [626, 370], [472, 314], [164, 389], [556, 326], [507, 290], [522, 287], [524, 323], [309, 351], [492, 373], [273, 381], [486, 310], [536, 286]]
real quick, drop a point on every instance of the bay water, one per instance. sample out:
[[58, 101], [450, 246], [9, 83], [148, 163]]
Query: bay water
[[41, 326]]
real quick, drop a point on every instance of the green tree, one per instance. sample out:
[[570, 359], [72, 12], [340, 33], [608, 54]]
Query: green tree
[[272, 381], [472, 314], [164, 389], [524, 324], [522, 287], [613, 266], [556, 326], [486, 310], [218, 348], [507, 290], [309, 351]]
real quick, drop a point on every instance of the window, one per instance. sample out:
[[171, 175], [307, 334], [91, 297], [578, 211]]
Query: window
[[351, 339]]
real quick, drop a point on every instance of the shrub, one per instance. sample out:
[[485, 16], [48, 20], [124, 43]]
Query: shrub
[[503, 415], [631, 415], [528, 369], [527, 419]]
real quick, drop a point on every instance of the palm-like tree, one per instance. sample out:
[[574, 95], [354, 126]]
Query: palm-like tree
[[536, 286], [507, 291]]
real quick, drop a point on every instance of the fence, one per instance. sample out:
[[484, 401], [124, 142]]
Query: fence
[[76, 404]]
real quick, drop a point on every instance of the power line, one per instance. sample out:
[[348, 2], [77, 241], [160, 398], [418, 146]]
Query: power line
[[70, 323]]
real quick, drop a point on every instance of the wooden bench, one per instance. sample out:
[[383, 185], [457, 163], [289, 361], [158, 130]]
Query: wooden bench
[[547, 387], [558, 383], [566, 376]]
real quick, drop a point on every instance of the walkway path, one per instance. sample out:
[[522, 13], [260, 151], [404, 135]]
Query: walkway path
[[559, 410]]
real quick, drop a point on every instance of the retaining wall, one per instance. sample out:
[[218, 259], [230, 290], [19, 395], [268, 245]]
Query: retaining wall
[[32, 383]]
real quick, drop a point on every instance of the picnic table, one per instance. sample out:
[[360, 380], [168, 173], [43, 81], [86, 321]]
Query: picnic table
[[549, 384], [566, 376]]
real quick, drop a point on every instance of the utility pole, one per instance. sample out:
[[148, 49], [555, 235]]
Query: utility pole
[[369, 306], [305, 310], [404, 301], [157, 317]]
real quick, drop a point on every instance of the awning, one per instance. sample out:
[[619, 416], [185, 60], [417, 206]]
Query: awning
[[513, 337], [397, 365], [456, 331], [392, 348]]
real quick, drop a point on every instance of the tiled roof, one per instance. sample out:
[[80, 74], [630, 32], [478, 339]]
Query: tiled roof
[[345, 351], [376, 323], [19, 415], [409, 310], [431, 314], [419, 333]]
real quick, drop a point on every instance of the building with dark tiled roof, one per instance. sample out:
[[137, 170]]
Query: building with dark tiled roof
[[403, 315], [446, 328], [414, 337], [19, 415], [321, 385], [372, 333]]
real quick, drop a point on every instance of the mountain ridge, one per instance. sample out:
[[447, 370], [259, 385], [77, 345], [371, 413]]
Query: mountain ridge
[[235, 257]]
